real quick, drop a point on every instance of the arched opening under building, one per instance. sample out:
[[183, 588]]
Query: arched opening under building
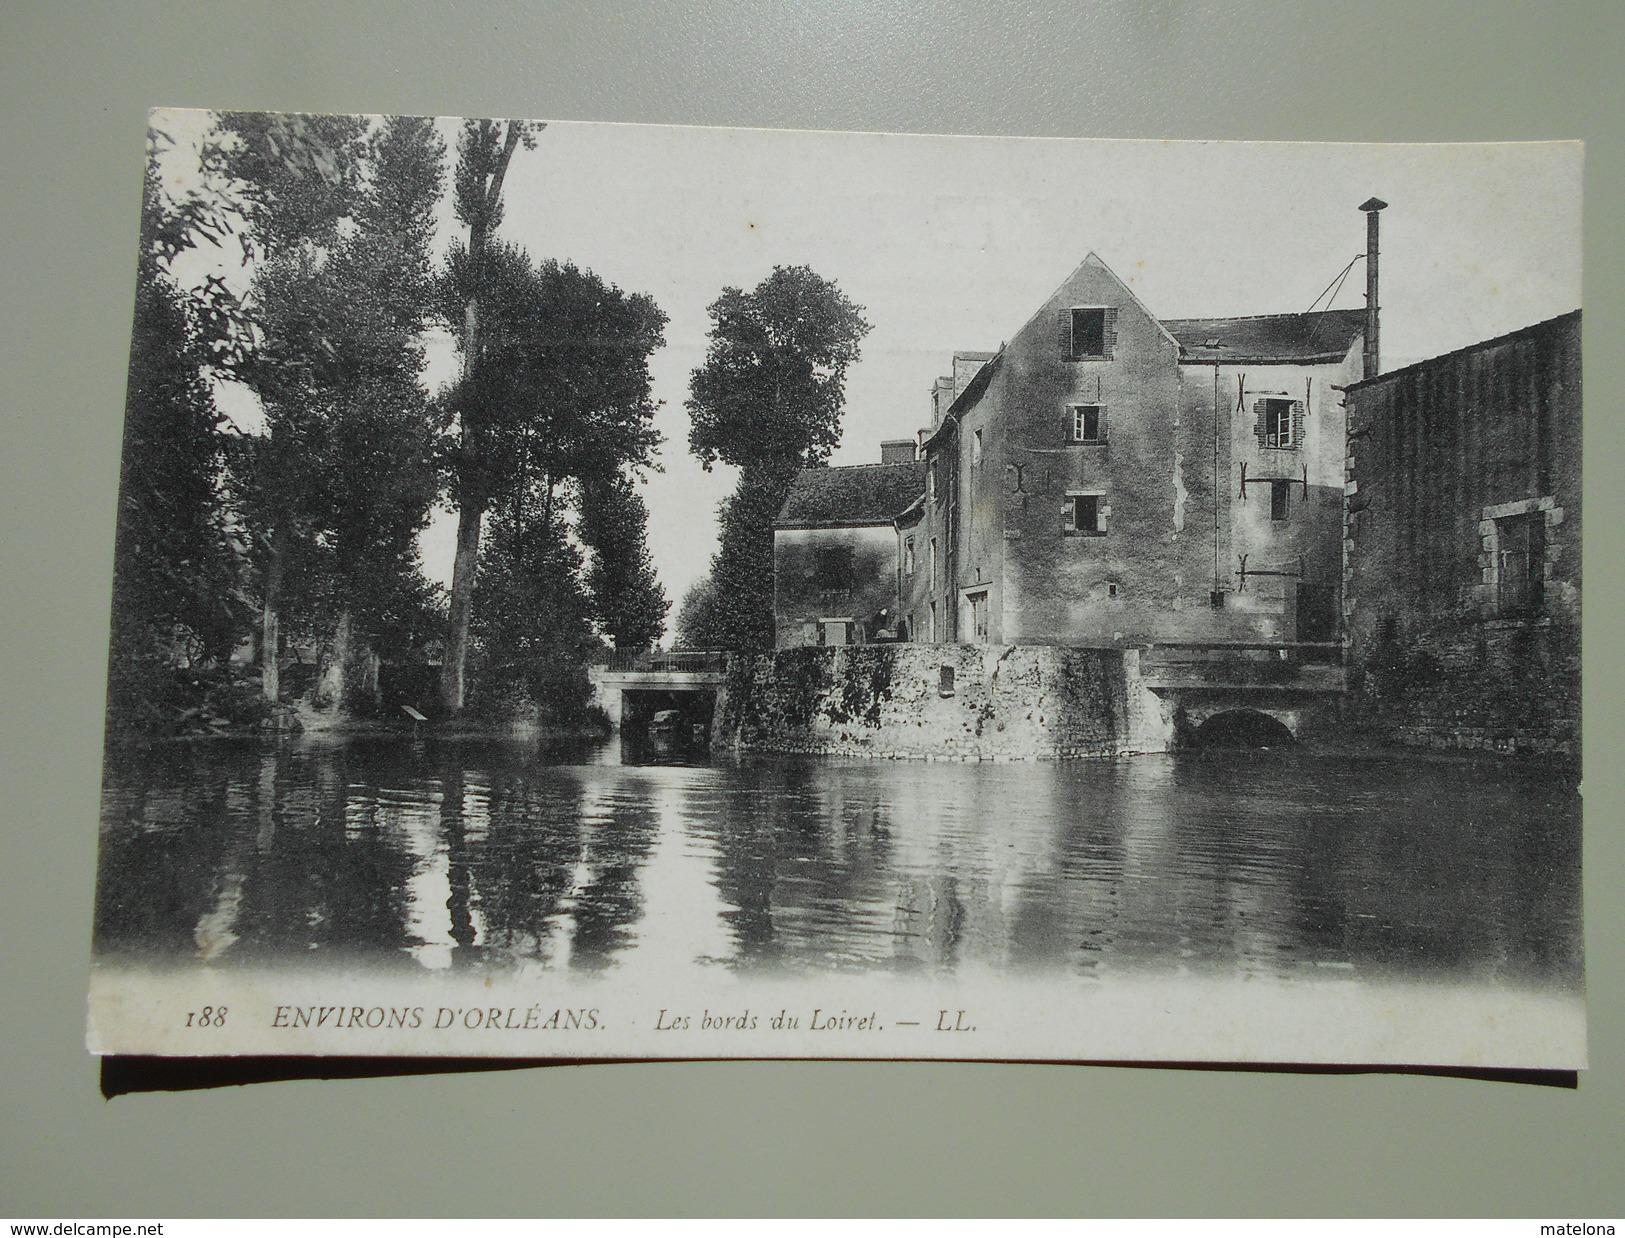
[[664, 727], [1242, 728]]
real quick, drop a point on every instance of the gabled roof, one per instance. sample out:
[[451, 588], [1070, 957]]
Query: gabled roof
[[1325, 335], [859, 494]]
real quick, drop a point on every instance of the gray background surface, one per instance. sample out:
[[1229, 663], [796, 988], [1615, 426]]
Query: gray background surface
[[718, 1138]]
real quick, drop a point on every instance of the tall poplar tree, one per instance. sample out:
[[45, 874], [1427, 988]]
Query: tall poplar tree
[[484, 151]]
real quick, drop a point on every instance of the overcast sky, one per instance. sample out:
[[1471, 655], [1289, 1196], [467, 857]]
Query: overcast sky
[[954, 242]]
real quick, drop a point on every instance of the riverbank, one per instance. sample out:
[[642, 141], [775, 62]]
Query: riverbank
[[312, 724]]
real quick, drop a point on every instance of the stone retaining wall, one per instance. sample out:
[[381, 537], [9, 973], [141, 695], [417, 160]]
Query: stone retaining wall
[[942, 702]]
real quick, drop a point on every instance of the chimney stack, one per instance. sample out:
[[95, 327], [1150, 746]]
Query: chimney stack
[[1371, 207]]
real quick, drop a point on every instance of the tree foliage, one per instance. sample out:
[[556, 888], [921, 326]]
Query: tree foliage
[[314, 519], [768, 399], [345, 478], [770, 392], [698, 624], [627, 600], [558, 411], [293, 177], [532, 627], [178, 605]]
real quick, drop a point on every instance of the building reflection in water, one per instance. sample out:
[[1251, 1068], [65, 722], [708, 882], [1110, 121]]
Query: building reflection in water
[[486, 856]]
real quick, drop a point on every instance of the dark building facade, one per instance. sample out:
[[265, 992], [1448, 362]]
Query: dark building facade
[[1462, 544], [835, 551]]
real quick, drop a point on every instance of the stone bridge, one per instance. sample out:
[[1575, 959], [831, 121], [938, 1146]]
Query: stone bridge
[[1240, 692], [632, 687]]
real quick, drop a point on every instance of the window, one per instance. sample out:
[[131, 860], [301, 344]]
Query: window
[[1279, 423], [1280, 500], [1088, 332], [908, 556], [933, 584], [1086, 423], [833, 569], [832, 574], [976, 450], [1086, 515], [931, 481], [1520, 562], [933, 623]]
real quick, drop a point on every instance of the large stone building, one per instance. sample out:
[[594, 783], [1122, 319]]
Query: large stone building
[[1463, 540], [1112, 478]]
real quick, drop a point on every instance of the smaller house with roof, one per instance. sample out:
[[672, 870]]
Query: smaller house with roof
[[835, 551]]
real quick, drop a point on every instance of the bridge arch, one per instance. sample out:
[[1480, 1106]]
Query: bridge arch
[[1243, 728]]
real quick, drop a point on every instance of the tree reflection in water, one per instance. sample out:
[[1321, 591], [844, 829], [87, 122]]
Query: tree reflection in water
[[487, 856]]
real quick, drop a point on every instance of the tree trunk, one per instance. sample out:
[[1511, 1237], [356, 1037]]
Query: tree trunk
[[469, 516], [371, 684], [271, 627], [333, 681]]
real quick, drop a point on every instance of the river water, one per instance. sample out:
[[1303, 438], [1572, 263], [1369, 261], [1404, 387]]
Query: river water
[[491, 856]]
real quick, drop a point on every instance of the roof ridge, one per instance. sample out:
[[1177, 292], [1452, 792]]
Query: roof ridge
[[1258, 317]]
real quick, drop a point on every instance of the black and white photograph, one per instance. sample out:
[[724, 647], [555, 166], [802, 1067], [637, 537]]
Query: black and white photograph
[[607, 591]]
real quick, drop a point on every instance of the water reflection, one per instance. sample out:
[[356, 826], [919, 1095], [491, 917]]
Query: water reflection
[[493, 856]]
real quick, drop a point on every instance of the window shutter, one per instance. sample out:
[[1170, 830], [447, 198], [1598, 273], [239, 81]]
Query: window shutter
[[1101, 437], [1109, 335], [1069, 423], [1297, 424], [1066, 333], [1261, 411]]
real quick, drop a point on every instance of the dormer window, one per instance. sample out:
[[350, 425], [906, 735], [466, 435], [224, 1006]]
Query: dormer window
[[1088, 332]]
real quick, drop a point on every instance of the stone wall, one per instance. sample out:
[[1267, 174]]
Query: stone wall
[[942, 702], [1447, 461]]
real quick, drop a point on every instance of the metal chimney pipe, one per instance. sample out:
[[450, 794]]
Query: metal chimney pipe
[[1371, 207]]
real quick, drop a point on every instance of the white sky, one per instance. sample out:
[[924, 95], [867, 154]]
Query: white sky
[[953, 243]]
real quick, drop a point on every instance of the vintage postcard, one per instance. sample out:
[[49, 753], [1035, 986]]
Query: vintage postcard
[[608, 591]]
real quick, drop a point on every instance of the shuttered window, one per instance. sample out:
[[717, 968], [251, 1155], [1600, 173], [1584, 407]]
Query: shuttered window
[[1088, 332], [1278, 423], [1084, 515]]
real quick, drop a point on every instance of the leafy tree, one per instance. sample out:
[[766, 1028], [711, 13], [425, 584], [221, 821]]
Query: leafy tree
[[627, 600], [768, 400], [484, 151], [345, 476], [560, 397], [177, 600], [532, 626], [292, 177], [294, 180], [698, 618], [378, 468]]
